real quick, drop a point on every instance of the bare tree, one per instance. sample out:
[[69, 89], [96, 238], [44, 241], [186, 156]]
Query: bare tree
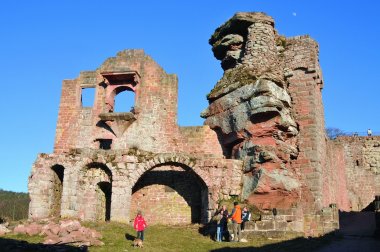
[[333, 133]]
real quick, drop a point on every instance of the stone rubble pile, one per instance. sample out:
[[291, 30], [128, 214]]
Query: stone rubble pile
[[65, 232], [4, 228]]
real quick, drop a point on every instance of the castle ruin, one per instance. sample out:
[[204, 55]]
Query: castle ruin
[[263, 141]]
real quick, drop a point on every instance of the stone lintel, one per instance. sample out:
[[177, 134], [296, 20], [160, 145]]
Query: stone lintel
[[118, 77], [123, 116]]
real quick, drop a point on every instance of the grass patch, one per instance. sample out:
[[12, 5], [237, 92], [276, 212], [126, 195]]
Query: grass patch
[[119, 237]]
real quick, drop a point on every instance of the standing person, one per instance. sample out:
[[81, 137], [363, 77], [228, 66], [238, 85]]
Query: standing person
[[217, 218], [236, 221], [245, 216], [369, 132], [139, 225], [221, 224]]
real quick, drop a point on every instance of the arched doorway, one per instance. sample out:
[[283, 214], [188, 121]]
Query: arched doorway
[[170, 193], [104, 190], [58, 175], [97, 192]]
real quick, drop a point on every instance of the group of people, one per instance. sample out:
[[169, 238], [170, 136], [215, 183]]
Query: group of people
[[238, 217]]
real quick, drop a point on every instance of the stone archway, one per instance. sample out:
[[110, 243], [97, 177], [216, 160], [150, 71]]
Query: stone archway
[[170, 192], [96, 192]]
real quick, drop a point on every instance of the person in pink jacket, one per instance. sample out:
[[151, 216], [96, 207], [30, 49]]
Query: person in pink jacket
[[139, 225]]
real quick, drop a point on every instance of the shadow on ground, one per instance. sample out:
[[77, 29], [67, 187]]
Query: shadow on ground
[[23, 246], [356, 234], [129, 237], [294, 245]]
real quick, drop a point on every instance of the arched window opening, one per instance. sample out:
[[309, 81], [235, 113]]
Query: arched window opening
[[58, 175], [124, 100]]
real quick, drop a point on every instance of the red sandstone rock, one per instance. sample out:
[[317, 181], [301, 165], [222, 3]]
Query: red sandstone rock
[[95, 234], [68, 239], [33, 229], [52, 240], [55, 228], [19, 229], [95, 242], [69, 225]]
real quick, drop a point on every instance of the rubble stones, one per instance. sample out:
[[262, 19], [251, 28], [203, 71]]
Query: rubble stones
[[4, 229], [66, 231]]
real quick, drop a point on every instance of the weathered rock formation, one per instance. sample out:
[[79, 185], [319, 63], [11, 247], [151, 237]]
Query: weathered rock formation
[[252, 111], [263, 141]]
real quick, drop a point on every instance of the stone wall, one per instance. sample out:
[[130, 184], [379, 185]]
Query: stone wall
[[335, 181], [151, 125], [169, 195], [129, 174], [305, 84], [361, 166], [263, 141]]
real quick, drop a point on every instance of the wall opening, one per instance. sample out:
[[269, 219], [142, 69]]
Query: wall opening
[[96, 192], [170, 194], [104, 193], [58, 174], [104, 144], [124, 100], [88, 97]]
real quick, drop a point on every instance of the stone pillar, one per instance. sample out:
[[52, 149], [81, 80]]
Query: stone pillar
[[120, 204]]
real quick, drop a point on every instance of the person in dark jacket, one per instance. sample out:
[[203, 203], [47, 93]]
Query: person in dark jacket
[[245, 216], [221, 223]]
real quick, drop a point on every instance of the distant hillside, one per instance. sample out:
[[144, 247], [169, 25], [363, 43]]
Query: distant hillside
[[13, 205]]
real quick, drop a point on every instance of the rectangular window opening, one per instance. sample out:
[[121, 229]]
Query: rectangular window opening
[[88, 97], [104, 144]]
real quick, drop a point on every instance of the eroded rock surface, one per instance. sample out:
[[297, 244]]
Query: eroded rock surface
[[250, 107]]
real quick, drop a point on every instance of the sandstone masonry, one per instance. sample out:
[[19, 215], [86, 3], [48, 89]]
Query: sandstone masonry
[[263, 141]]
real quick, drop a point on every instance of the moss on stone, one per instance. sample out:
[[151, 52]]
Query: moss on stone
[[141, 155], [193, 160], [281, 41], [231, 80]]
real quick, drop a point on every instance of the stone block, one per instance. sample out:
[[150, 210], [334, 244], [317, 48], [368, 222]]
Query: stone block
[[265, 225]]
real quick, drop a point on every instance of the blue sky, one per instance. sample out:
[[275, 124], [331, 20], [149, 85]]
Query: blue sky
[[44, 42]]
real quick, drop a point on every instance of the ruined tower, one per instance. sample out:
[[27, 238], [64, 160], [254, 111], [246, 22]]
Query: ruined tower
[[263, 107]]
